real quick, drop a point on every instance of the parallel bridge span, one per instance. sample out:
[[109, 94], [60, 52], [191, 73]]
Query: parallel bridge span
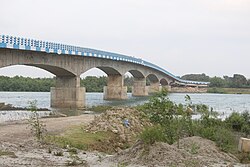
[[69, 62]]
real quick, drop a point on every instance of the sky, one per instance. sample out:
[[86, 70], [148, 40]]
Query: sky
[[182, 36]]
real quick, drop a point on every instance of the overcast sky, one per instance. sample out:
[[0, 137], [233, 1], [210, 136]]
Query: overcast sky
[[182, 36]]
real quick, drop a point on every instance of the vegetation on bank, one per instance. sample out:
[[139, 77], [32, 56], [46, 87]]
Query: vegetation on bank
[[170, 123], [236, 81], [27, 84], [229, 90], [174, 121]]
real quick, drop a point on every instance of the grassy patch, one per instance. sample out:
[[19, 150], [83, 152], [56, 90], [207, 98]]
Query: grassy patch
[[78, 138], [8, 153]]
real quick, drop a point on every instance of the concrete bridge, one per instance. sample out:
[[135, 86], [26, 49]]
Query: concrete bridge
[[69, 62]]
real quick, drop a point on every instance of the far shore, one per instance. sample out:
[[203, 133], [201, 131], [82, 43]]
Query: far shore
[[228, 90], [10, 107]]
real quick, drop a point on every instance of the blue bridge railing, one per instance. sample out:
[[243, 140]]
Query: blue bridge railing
[[50, 47]]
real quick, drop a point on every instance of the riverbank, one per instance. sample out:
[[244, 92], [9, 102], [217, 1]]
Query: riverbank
[[229, 90], [19, 148], [10, 107]]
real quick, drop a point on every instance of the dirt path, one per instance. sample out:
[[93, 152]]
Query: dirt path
[[16, 138], [18, 132]]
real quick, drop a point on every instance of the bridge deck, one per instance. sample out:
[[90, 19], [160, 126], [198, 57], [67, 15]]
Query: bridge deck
[[50, 47]]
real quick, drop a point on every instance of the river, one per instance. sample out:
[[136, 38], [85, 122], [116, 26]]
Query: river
[[223, 103]]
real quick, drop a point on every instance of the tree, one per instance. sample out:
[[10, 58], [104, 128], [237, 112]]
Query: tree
[[196, 77], [217, 82], [239, 80]]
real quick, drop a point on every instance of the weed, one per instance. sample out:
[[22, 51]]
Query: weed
[[72, 150], [194, 148], [191, 163], [100, 109], [58, 153], [8, 153], [76, 161], [37, 127], [122, 164]]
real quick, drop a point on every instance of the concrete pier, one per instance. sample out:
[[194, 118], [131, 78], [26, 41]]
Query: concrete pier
[[139, 87], [115, 89], [67, 93], [154, 87]]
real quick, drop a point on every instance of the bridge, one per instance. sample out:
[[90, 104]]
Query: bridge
[[68, 62]]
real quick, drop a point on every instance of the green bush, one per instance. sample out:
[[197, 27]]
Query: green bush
[[225, 139], [153, 134], [174, 119], [235, 121], [222, 136], [176, 122]]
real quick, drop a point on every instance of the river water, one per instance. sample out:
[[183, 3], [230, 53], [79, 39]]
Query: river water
[[222, 103]]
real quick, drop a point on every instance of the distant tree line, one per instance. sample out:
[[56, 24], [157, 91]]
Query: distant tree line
[[27, 84], [236, 81], [96, 84]]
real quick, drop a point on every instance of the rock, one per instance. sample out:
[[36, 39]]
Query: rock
[[115, 131], [244, 145]]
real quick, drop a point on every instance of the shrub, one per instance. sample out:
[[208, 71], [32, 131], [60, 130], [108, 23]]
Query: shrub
[[176, 122], [222, 136], [225, 140], [153, 134], [235, 121]]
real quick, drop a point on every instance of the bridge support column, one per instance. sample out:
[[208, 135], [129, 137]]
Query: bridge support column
[[67, 93], [139, 87], [165, 87], [115, 89], [154, 87]]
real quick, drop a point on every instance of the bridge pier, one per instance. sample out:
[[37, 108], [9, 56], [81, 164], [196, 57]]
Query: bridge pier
[[67, 93], [165, 87], [139, 87], [115, 89], [154, 87]]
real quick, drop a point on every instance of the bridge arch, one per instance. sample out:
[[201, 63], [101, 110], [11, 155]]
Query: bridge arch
[[164, 82], [136, 74], [153, 78], [115, 87], [154, 83], [109, 70], [57, 71], [139, 83]]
